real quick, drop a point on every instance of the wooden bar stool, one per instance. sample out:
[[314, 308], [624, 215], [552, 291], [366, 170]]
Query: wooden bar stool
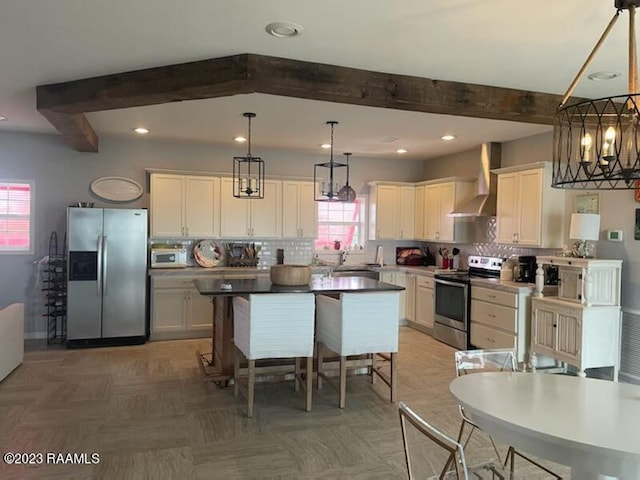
[[273, 326], [357, 324]]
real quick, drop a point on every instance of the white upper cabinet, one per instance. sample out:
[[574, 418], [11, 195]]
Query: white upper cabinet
[[529, 211], [418, 217], [440, 199], [185, 206], [244, 218], [391, 211], [299, 212]]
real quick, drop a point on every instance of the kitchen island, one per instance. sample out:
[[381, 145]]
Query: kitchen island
[[219, 367]]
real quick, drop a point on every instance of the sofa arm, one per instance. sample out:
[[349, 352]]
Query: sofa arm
[[11, 338]]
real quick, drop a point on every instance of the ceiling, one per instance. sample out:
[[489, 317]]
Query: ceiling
[[494, 42]]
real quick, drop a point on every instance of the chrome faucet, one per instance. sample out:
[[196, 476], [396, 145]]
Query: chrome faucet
[[342, 258]]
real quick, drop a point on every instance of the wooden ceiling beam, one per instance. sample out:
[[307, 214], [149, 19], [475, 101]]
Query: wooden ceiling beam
[[64, 103]]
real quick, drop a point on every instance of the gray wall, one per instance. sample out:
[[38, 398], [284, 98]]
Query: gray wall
[[62, 176]]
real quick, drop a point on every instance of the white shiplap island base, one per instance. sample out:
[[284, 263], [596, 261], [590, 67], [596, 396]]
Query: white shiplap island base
[[588, 424]]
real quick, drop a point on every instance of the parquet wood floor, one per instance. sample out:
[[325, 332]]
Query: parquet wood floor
[[150, 414]]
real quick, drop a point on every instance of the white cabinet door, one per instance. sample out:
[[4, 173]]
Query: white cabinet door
[[419, 233], [299, 211], [508, 214], [543, 330], [167, 205], [200, 311], [569, 335], [530, 208], [169, 310], [447, 204], [424, 305], [308, 211], [386, 210], [401, 281], [266, 213], [234, 212], [202, 197], [432, 212], [407, 212], [410, 298]]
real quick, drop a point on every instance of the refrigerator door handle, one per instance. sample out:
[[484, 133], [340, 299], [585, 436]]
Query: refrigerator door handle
[[104, 265], [99, 273]]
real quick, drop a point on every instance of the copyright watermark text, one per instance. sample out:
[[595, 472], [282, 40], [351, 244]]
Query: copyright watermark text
[[50, 458]]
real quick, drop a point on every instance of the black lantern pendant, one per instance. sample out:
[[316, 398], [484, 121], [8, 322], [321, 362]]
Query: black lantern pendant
[[330, 177], [248, 171]]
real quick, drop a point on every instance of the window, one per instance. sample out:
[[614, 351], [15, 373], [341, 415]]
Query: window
[[15, 216], [343, 222]]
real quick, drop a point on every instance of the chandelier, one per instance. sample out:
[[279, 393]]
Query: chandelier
[[331, 177], [596, 143], [248, 171]]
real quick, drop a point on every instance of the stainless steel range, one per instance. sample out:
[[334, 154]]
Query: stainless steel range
[[453, 300]]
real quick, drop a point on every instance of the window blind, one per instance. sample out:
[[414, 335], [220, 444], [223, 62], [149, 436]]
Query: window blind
[[15, 216]]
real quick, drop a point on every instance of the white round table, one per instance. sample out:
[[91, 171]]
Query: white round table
[[591, 425]]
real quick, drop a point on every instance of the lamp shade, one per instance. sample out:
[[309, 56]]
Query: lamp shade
[[585, 226]]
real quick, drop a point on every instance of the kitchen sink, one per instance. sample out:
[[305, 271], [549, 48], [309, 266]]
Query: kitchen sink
[[355, 271]]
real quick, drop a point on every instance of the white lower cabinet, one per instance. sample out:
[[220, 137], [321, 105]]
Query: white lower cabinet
[[585, 337], [425, 305], [499, 319], [400, 279], [178, 310], [410, 298]]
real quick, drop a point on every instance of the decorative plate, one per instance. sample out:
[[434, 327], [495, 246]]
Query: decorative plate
[[117, 189], [207, 253]]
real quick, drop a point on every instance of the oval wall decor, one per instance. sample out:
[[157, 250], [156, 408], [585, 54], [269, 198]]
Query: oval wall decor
[[116, 189]]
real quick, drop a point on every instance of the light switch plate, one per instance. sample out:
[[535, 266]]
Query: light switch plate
[[614, 235]]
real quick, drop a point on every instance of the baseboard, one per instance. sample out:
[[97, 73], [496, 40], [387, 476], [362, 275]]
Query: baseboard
[[35, 335], [420, 328]]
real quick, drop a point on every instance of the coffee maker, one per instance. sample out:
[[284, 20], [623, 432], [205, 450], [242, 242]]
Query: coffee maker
[[525, 270]]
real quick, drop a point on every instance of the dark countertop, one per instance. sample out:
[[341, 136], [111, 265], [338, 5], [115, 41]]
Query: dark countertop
[[212, 287]]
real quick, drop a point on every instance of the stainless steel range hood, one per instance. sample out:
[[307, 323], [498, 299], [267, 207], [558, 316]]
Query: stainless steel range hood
[[483, 204]]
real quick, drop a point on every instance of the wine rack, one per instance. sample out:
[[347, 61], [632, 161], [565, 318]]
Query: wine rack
[[54, 286]]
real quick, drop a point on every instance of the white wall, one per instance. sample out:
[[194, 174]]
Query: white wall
[[62, 176]]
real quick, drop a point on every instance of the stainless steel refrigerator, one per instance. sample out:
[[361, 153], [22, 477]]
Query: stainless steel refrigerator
[[106, 285]]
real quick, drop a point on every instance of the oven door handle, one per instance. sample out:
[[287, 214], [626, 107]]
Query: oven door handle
[[453, 284]]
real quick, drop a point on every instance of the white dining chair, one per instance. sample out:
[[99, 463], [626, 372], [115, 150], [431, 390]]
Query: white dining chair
[[272, 326], [454, 451], [490, 360], [355, 324]]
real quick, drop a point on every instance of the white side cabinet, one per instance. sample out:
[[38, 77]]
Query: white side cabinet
[[400, 279], [500, 319], [529, 212], [425, 304], [585, 337], [185, 206], [582, 325], [410, 297], [255, 218], [299, 211], [178, 310]]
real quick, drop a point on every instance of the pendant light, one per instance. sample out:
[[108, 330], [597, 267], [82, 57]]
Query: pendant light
[[597, 142], [248, 171], [329, 175], [346, 193]]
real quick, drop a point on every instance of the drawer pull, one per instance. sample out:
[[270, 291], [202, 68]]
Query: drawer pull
[[491, 296], [491, 340], [491, 315]]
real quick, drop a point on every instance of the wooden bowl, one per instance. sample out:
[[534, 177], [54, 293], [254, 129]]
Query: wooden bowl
[[290, 275]]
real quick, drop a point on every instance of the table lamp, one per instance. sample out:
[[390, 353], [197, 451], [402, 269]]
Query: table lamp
[[584, 226]]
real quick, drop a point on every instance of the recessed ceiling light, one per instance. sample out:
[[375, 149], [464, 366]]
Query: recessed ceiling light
[[401, 150], [325, 145], [448, 138], [3, 119], [141, 130], [603, 75], [284, 29], [240, 139]]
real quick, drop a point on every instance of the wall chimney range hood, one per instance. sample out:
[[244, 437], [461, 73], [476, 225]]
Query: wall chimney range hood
[[484, 203]]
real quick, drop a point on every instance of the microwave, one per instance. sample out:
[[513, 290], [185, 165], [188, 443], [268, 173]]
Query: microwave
[[168, 257]]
